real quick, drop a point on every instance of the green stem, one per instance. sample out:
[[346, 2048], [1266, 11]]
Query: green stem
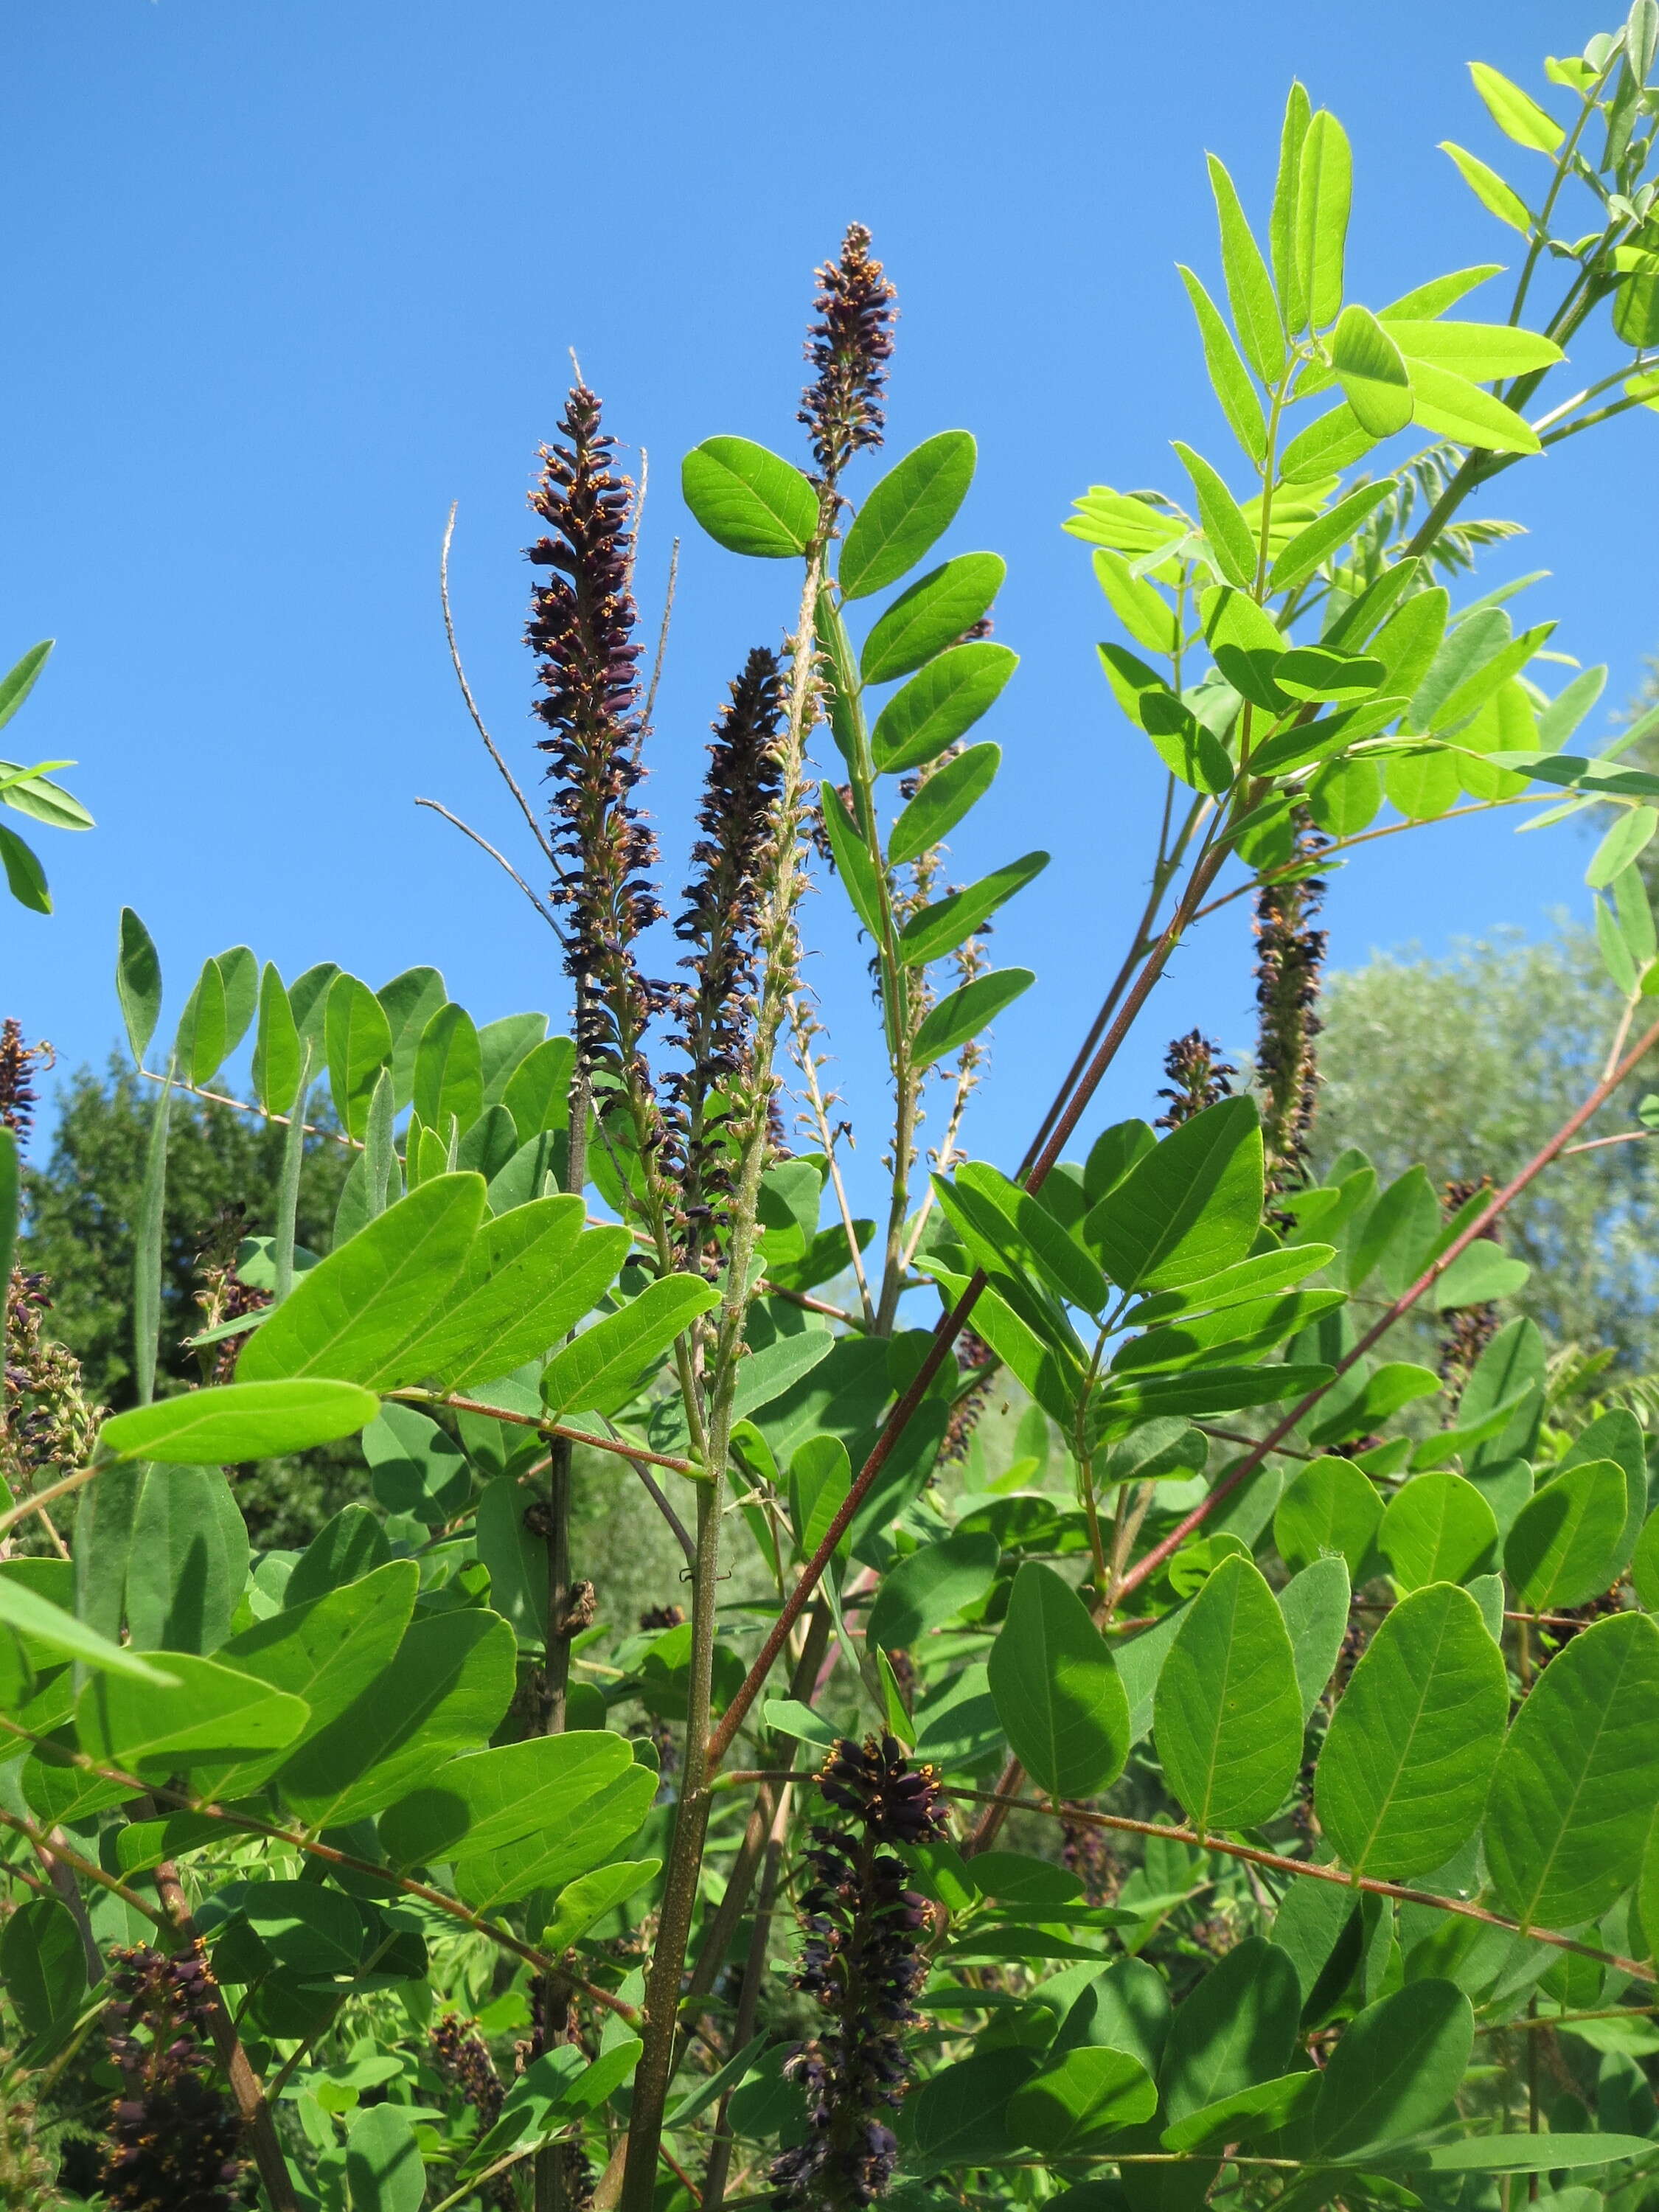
[[551, 2169], [1563, 168], [777, 938], [894, 980]]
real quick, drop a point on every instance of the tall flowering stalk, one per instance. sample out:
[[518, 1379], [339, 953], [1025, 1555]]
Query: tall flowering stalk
[[848, 347], [861, 1962], [581, 631], [1290, 954], [721, 922]]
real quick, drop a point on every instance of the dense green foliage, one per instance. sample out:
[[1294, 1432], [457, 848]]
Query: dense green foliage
[[1148, 1739]]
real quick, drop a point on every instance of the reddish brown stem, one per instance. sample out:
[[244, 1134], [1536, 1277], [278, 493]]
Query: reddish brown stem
[[1305, 1870]]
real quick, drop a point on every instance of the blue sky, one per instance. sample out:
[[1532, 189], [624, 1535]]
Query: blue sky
[[283, 280]]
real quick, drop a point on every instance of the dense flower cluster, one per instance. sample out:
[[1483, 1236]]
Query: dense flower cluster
[[1087, 1851], [1289, 953], [849, 347], [49, 1425], [462, 2057], [1469, 1329], [720, 923], [581, 631], [862, 1961], [1198, 1078], [26, 2171], [173, 2133], [17, 1094], [976, 1358]]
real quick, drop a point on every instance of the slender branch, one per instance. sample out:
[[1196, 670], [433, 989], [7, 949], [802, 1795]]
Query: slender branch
[[801, 1037], [42, 1840], [1594, 1144], [250, 1106], [782, 879], [662, 633], [414, 1396], [682, 1535], [511, 781], [499, 859], [42, 1498], [1275, 1861]]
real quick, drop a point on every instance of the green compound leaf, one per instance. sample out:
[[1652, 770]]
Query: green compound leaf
[[1188, 1208], [965, 1012], [445, 1691], [276, 1046], [347, 1316], [357, 1042], [1574, 1790], [1314, 1604], [1437, 1529], [929, 1585], [913, 505], [25, 876], [1395, 2070], [1369, 367], [1249, 286], [748, 500], [137, 983], [600, 1370], [1402, 1778], [1566, 1541], [1331, 1507], [940, 704], [1092, 2092], [1056, 1689], [1324, 190], [448, 1075], [1227, 1719], [28, 1614], [934, 611], [213, 1715], [938, 929], [944, 800], [1237, 2028], [530, 1275], [239, 1421], [1231, 539]]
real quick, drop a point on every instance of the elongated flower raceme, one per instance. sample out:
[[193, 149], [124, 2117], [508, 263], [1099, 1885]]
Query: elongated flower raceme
[[581, 630], [861, 1961], [1289, 953], [1469, 1329], [1199, 1077], [173, 2132], [849, 347], [462, 2057], [17, 1092], [720, 923]]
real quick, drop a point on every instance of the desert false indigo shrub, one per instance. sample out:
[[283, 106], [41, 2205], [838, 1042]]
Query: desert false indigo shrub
[[1116, 1728]]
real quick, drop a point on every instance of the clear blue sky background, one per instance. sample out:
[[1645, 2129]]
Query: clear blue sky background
[[284, 279]]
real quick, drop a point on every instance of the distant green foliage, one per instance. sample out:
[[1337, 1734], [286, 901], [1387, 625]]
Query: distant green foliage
[[81, 1205], [1468, 1064]]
